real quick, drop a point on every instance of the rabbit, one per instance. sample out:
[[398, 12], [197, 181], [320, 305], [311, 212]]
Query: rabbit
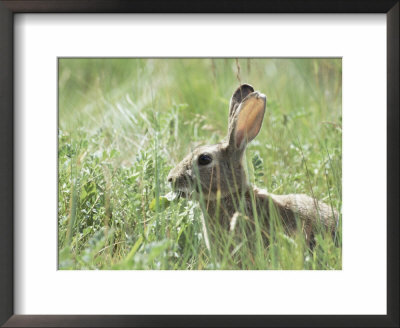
[[217, 172]]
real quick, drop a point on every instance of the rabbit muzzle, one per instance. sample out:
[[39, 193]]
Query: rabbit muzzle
[[181, 183]]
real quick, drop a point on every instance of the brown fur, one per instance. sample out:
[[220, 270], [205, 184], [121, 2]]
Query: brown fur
[[224, 180]]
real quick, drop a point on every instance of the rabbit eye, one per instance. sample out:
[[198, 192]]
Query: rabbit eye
[[205, 159]]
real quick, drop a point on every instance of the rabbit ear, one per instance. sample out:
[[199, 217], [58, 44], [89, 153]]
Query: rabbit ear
[[242, 92], [247, 121]]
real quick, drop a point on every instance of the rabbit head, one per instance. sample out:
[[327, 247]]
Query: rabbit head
[[218, 169]]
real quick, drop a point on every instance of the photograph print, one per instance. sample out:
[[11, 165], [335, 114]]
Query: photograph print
[[199, 163]]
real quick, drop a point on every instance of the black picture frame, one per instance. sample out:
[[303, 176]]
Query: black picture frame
[[7, 11]]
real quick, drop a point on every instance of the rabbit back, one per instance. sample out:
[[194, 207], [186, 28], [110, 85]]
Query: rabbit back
[[291, 209], [300, 208]]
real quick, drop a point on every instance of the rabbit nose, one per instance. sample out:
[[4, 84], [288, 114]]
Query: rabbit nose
[[169, 178]]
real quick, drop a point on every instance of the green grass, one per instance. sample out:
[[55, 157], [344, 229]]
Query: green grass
[[124, 123]]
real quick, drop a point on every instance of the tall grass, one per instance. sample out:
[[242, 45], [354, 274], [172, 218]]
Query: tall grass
[[124, 123]]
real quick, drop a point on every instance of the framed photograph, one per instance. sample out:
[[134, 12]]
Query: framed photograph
[[198, 166]]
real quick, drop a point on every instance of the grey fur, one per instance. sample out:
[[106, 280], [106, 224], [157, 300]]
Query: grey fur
[[224, 180]]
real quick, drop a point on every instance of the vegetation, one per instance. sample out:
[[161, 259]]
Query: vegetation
[[124, 123]]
